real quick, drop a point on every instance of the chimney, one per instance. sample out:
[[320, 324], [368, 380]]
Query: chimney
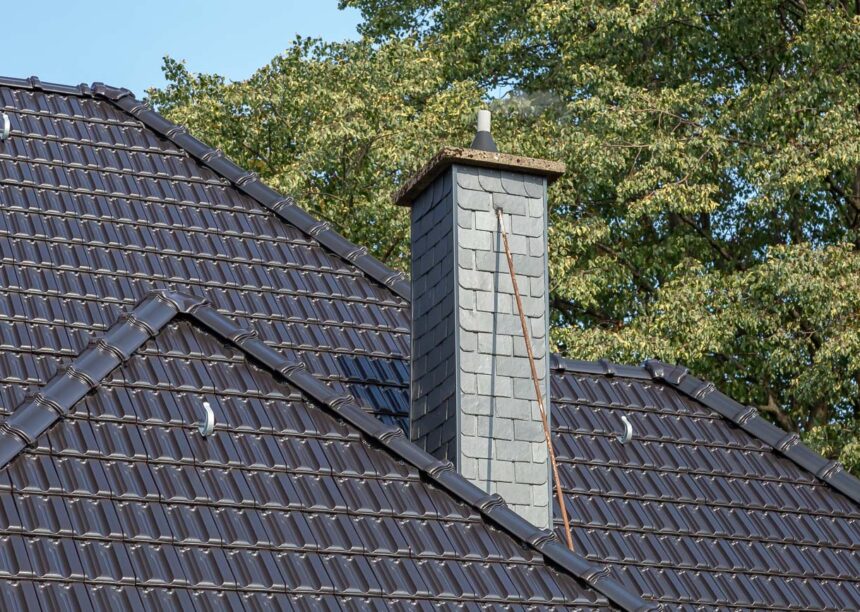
[[472, 397]]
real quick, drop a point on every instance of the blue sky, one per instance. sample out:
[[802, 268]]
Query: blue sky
[[122, 42]]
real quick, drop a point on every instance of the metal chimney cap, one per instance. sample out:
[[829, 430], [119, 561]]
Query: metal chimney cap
[[484, 119], [483, 139]]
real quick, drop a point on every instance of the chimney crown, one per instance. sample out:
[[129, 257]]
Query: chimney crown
[[449, 156]]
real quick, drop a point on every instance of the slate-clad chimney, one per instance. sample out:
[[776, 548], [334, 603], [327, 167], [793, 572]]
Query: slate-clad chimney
[[472, 398]]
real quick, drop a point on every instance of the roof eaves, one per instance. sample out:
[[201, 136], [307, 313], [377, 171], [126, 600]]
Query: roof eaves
[[86, 372], [745, 417], [250, 184]]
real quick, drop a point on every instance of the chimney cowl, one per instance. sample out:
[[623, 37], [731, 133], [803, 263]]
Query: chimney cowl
[[483, 140]]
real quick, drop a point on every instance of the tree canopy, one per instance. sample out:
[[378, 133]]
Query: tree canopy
[[710, 215]]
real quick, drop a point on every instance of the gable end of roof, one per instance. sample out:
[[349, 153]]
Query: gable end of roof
[[746, 417]]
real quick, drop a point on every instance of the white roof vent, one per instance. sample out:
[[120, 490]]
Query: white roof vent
[[5, 126]]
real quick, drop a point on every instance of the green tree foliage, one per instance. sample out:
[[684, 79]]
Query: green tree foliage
[[711, 211], [333, 124]]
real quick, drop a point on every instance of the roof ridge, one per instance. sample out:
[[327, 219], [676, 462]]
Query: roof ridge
[[86, 372], [600, 367], [36, 84], [247, 182], [747, 418]]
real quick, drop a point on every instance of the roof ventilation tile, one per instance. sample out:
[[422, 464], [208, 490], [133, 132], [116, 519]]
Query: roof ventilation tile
[[207, 425]]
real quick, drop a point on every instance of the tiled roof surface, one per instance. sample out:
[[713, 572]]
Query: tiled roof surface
[[102, 201], [119, 503], [697, 510], [298, 498], [98, 208]]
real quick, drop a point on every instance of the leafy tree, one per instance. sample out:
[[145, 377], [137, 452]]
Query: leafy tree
[[711, 210], [333, 124]]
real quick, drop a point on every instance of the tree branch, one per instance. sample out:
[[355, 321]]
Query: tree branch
[[640, 281], [710, 240], [773, 409]]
